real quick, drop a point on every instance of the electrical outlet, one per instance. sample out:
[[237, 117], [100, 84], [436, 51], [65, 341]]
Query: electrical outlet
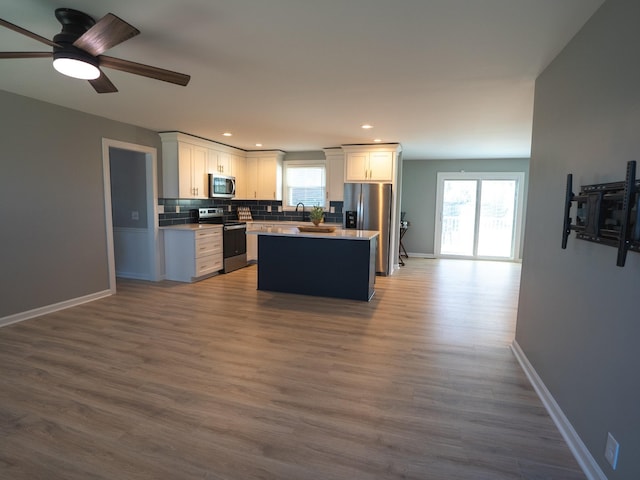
[[135, 215], [269, 209], [177, 208], [611, 451], [228, 208], [279, 208], [332, 209]]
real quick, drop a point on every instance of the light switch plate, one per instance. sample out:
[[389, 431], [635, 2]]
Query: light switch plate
[[611, 451]]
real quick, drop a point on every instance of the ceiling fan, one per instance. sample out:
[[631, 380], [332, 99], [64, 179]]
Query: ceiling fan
[[77, 49]]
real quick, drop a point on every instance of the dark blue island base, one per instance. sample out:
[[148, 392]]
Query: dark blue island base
[[322, 267]]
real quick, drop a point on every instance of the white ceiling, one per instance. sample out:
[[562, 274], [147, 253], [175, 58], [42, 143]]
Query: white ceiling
[[445, 78]]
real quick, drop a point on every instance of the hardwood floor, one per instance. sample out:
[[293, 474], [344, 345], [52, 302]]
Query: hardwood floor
[[216, 380]]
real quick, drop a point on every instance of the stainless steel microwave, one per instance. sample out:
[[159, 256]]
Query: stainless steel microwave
[[221, 186]]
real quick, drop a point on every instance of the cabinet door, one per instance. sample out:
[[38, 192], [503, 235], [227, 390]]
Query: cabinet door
[[239, 168], [381, 166], [269, 178], [251, 192], [224, 163], [212, 161], [252, 248], [200, 171], [219, 162], [335, 178], [357, 167], [185, 175]]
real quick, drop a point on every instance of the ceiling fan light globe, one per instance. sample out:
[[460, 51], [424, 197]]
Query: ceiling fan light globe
[[76, 68]]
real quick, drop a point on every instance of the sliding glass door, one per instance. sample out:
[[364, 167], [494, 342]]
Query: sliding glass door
[[478, 215]]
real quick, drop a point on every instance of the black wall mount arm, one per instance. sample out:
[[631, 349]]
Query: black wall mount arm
[[606, 213]]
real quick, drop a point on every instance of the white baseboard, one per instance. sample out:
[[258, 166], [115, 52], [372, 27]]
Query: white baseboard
[[421, 255], [584, 458], [36, 312]]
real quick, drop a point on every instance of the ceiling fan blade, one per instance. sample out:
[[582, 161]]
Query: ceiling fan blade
[[102, 84], [144, 70], [108, 32], [25, 54], [29, 34]]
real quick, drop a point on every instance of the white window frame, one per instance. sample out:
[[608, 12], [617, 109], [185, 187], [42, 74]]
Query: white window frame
[[298, 164]]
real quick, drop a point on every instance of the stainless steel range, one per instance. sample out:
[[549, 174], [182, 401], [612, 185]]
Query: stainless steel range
[[234, 237]]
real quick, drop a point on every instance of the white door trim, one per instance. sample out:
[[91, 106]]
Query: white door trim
[[151, 155], [519, 208]]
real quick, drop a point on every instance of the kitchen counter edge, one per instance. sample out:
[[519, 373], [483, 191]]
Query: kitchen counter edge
[[191, 226], [347, 234]]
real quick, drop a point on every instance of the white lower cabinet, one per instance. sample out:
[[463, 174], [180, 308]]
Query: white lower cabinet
[[252, 240], [252, 248], [192, 254]]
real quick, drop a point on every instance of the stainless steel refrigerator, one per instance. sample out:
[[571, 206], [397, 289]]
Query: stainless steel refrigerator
[[367, 206]]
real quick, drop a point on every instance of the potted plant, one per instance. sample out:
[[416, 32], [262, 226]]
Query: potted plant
[[316, 215]]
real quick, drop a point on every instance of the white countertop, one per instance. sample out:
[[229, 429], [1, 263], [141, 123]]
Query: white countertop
[[340, 234], [191, 226]]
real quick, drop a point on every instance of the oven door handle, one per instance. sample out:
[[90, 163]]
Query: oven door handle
[[235, 227]]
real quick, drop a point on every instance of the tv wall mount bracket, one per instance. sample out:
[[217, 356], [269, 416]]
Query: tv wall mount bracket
[[606, 213]]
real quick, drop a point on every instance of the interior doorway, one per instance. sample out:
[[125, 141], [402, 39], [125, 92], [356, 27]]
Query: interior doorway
[[479, 215], [130, 179]]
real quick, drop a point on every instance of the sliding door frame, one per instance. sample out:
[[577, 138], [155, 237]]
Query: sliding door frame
[[518, 177]]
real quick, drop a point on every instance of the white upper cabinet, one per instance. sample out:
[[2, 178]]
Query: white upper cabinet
[[335, 174], [369, 166], [264, 175], [239, 169], [220, 162], [188, 160], [184, 171]]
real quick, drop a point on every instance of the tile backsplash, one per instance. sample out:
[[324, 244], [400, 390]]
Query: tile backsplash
[[179, 211]]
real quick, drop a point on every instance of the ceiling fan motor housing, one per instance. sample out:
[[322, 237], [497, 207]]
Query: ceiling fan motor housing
[[74, 25]]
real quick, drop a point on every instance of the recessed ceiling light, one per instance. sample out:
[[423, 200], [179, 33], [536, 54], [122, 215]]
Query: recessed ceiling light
[[258, 144], [377, 140], [227, 134], [366, 126]]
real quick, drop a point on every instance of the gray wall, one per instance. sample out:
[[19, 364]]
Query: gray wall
[[53, 236], [579, 320], [419, 185]]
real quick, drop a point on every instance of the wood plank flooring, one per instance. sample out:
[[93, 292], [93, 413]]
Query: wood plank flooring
[[217, 380]]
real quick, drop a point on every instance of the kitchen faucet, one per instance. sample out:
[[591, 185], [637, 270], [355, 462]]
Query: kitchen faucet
[[300, 203]]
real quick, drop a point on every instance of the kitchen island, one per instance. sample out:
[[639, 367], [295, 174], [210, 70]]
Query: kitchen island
[[340, 264]]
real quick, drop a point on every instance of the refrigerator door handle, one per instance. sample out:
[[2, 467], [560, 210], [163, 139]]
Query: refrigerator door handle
[[360, 214]]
